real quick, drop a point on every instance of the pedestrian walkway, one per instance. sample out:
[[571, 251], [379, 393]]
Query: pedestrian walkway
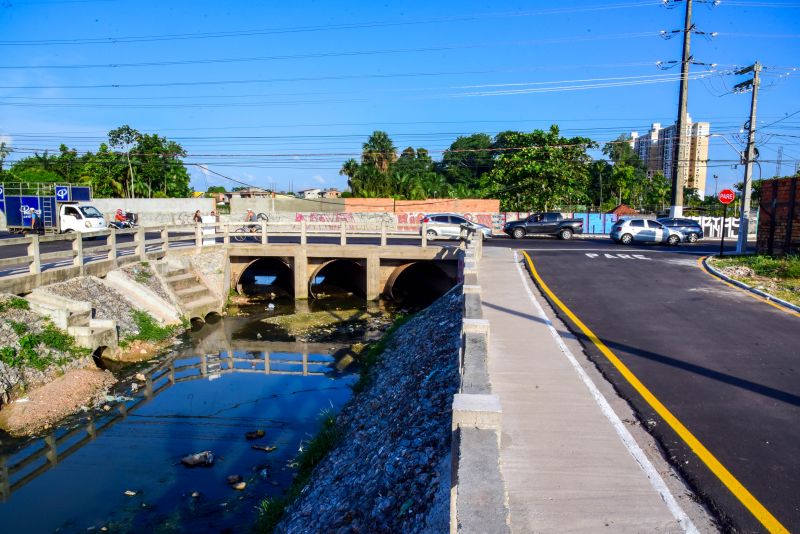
[[565, 465]]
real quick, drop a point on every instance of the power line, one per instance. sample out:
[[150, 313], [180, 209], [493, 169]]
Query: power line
[[327, 27]]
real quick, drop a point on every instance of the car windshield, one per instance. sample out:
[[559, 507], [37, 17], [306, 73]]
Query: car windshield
[[91, 211]]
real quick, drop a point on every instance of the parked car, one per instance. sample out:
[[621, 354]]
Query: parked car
[[627, 231], [448, 226], [691, 230], [544, 224]]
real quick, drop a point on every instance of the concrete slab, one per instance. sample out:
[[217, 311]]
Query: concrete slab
[[566, 469]]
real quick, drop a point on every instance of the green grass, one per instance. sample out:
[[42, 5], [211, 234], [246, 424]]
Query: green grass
[[19, 328], [780, 267], [14, 303], [149, 329], [371, 355], [28, 353], [312, 452], [780, 274]]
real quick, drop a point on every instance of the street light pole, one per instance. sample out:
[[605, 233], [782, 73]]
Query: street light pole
[[678, 160]]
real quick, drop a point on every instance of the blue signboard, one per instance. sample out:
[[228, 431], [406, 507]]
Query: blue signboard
[[2, 192], [62, 193], [27, 207], [80, 193]]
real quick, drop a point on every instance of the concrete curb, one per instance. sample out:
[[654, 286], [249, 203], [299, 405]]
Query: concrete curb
[[711, 270]]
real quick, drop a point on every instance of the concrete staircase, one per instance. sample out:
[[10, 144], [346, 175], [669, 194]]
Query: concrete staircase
[[191, 293], [75, 317]]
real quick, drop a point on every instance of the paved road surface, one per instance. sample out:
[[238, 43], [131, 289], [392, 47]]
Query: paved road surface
[[726, 365]]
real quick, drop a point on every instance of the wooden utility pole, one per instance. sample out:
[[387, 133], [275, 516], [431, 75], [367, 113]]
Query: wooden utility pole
[[678, 161], [744, 214]]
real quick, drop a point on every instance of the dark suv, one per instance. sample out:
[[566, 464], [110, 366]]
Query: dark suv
[[691, 230]]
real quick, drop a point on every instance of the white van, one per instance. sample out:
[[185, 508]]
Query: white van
[[80, 217]]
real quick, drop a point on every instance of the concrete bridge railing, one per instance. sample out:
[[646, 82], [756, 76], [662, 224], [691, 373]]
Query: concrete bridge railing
[[26, 265], [477, 499]]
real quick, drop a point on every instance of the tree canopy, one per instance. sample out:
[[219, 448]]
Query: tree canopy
[[143, 165]]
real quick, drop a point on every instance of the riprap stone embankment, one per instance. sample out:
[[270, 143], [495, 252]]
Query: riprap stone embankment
[[390, 472]]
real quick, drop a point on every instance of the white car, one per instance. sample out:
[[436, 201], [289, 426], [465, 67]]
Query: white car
[[627, 231], [448, 226], [80, 217]]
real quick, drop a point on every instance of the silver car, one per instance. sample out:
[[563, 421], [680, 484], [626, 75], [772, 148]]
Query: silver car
[[448, 226], [627, 231]]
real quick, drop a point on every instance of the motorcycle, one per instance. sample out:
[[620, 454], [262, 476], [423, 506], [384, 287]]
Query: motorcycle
[[128, 223]]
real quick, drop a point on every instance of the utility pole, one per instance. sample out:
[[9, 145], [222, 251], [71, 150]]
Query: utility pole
[[744, 214], [676, 208]]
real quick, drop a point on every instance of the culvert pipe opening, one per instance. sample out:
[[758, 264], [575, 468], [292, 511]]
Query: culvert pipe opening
[[338, 278], [267, 276], [419, 284]]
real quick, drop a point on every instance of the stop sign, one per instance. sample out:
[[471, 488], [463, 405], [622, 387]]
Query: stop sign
[[726, 196]]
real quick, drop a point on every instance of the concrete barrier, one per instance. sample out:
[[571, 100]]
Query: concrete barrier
[[477, 498]]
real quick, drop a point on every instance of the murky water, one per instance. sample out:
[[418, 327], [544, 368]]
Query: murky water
[[230, 378]]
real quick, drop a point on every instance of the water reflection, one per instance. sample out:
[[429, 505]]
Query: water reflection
[[206, 396]]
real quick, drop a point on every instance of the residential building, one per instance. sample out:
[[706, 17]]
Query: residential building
[[311, 193], [657, 150], [331, 193]]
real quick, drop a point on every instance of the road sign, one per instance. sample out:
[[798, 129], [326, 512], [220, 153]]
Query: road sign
[[726, 196], [62, 193], [2, 193]]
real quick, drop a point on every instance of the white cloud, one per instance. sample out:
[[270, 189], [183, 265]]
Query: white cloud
[[319, 179]]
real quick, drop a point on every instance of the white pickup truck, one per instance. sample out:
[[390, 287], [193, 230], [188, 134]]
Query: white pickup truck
[[80, 217]]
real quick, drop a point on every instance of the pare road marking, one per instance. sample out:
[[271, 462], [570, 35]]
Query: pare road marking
[[606, 255]]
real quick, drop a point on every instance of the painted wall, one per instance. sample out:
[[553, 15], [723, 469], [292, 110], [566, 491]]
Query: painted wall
[[157, 211], [239, 206]]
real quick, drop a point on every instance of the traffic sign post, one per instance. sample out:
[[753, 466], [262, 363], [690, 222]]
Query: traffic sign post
[[726, 196]]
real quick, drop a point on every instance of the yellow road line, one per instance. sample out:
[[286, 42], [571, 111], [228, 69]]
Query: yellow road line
[[746, 292], [739, 491]]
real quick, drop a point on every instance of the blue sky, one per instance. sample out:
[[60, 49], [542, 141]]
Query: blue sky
[[283, 92]]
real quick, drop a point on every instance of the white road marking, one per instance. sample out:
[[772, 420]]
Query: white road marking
[[592, 255], [627, 439]]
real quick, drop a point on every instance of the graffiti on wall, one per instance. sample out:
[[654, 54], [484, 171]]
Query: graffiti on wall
[[713, 226]]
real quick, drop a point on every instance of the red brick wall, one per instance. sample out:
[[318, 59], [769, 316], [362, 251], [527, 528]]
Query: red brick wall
[[432, 205], [779, 217]]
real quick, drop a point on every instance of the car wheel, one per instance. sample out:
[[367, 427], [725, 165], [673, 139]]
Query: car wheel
[[673, 240], [431, 235], [565, 234], [518, 233], [692, 237], [626, 239]]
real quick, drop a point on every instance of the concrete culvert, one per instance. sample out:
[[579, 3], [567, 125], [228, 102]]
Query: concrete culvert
[[213, 318], [418, 284], [336, 277], [99, 355], [267, 275]]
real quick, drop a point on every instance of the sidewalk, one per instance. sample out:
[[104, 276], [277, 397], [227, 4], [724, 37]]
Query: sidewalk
[[565, 466]]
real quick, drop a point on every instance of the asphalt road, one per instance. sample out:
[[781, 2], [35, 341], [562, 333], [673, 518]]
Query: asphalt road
[[725, 364]]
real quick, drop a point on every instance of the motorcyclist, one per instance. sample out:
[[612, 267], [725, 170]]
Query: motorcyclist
[[249, 216], [120, 216]]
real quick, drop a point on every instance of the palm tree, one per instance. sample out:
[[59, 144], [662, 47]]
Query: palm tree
[[379, 151]]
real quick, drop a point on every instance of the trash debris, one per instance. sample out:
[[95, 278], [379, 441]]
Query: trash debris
[[130, 493], [239, 486], [233, 479], [255, 434], [195, 494], [106, 407], [270, 306], [265, 448], [23, 399], [134, 387], [258, 335], [205, 458], [140, 377]]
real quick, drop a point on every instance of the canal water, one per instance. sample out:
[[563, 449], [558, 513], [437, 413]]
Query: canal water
[[119, 469]]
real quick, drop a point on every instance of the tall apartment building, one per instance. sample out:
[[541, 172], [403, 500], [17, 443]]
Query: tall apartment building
[[657, 150]]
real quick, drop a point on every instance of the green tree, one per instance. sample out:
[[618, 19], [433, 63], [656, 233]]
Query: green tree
[[5, 150], [468, 160], [540, 170], [379, 151], [125, 138]]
